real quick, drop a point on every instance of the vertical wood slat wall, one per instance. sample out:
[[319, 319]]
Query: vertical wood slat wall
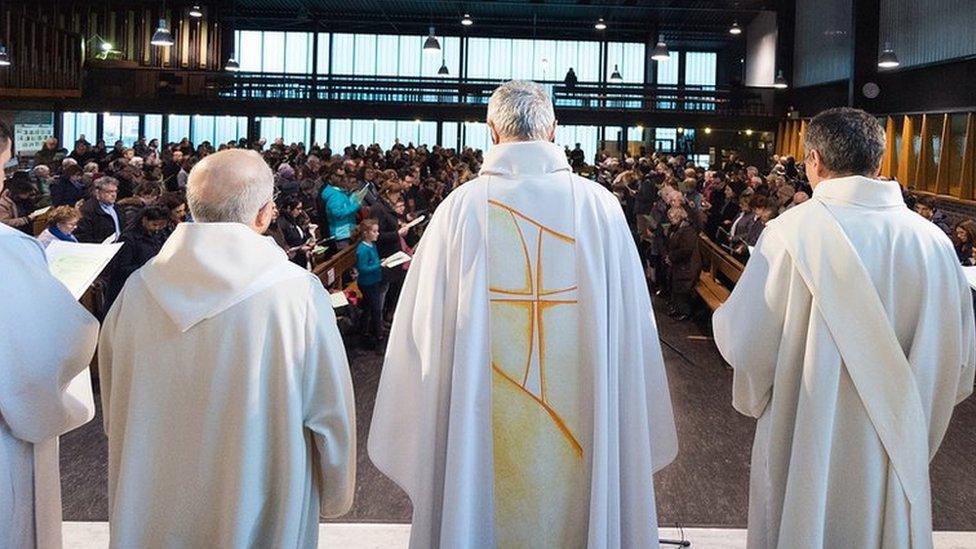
[[41, 57], [910, 152]]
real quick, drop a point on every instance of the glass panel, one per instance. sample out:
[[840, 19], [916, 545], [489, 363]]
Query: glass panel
[[202, 129], [321, 131], [387, 55], [130, 129], [295, 130], [667, 74], [340, 135], [323, 47], [501, 59], [700, 68], [665, 139], [449, 135], [298, 53], [229, 128], [178, 127], [410, 55], [544, 57], [270, 129], [385, 132], [67, 129], [362, 132], [154, 127], [365, 54], [476, 135], [478, 57], [111, 129], [342, 53], [249, 50], [274, 52]]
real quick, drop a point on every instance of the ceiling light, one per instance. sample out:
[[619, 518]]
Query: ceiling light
[[680, 129], [780, 82], [888, 59], [600, 25], [615, 76], [162, 36], [431, 44], [708, 130], [232, 64], [4, 56], [660, 52], [748, 132], [106, 46], [195, 11], [735, 28], [443, 70], [467, 21]]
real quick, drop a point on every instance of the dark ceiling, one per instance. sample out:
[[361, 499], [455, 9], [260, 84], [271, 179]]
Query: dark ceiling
[[693, 21]]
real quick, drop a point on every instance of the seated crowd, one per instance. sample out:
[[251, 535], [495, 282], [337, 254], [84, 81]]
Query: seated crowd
[[330, 200]]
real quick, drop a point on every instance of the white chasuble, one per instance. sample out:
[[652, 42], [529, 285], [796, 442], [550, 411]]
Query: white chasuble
[[523, 400], [852, 337]]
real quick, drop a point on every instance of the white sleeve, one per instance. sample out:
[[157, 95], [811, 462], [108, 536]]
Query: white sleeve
[[329, 407], [49, 341]]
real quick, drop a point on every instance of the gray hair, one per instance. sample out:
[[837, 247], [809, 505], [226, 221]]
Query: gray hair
[[106, 181], [229, 186], [850, 141], [521, 110]]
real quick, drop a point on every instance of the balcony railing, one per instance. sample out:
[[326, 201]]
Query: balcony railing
[[250, 87]]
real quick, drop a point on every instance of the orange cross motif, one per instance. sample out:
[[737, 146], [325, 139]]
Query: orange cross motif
[[536, 299]]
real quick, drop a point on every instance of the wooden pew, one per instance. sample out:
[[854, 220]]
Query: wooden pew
[[332, 271], [715, 262]]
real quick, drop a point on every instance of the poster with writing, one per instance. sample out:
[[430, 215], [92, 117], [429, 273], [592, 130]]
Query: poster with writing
[[29, 138]]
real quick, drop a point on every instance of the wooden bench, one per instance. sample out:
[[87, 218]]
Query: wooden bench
[[716, 262], [333, 271]]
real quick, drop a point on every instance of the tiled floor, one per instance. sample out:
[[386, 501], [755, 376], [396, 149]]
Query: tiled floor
[[94, 535]]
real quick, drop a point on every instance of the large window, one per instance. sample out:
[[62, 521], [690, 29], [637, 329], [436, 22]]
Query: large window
[[476, 135], [291, 130], [449, 135], [154, 127], [117, 127], [77, 124], [700, 68], [274, 51], [389, 55], [178, 127], [217, 129], [628, 58], [506, 58], [586, 136], [383, 132], [667, 75]]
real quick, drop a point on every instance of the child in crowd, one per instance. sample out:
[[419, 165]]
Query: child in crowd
[[370, 280]]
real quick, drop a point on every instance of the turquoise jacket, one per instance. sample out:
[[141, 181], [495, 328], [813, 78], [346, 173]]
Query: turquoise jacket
[[340, 210], [368, 264]]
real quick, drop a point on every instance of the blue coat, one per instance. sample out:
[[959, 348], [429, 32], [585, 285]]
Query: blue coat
[[368, 264], [340, 211]]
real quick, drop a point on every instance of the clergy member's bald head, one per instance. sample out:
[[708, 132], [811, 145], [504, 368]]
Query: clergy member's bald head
[[231, 186], [521, 110]]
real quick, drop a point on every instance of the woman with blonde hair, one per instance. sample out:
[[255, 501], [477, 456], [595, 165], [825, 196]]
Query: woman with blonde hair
[[61, 222]]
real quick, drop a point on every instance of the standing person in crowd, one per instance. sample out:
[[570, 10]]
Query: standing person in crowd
[[100, 217], [215, 445], [684, 260], [45, 389], [70, 188], [50, 154], [175, 202], [61, 223], [145, 194], [341, 207], [925, 206], [370, 280], [17, 204], [294, 232], [140, 243], [851, 357], [391, 237], [964, 238], [526, 248]]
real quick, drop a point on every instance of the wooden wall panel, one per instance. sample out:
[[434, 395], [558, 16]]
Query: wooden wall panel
[[967, 174], [906, 159], [888, 168], [922, 163], [943, 175]]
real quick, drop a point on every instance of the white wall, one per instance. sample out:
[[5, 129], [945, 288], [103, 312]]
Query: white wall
[[761, 50]]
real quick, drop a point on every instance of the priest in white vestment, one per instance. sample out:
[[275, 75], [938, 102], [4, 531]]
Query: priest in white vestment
[[523, 400], [226, 392], [45, 390], [852, 337]]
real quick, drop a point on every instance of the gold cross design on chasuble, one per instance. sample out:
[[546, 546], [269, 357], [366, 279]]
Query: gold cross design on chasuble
[[528, 258]]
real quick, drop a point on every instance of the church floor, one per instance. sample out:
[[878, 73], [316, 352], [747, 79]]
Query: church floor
[[707, 486]]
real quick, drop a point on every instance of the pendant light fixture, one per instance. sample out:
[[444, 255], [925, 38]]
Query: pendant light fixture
[[431, 45], [195, 11], [162, 37], [615, 75], [232, 64], [443, 70], [888, 59], [780, 82], [467, 21], [660, 52], [735, 28], [600, 24]]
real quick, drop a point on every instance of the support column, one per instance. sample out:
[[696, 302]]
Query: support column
[[864, 51]]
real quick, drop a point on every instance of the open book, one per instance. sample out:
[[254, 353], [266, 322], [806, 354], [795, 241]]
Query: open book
[[398, 258], [78, 265]]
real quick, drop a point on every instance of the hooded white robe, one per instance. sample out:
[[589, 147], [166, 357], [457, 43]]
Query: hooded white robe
[[523, 400], [851, 333], [45, 391], [227, 398]]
